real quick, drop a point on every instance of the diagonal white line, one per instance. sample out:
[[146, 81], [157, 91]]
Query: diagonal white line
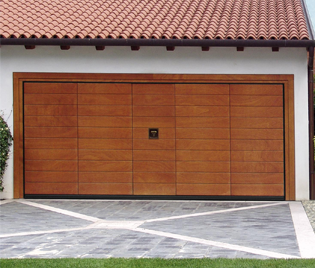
[[304, 232], [215, 212], [5, 202], [218, 244], [61, 211]]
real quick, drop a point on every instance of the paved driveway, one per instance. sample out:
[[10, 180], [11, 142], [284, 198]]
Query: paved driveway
[[145, 229]]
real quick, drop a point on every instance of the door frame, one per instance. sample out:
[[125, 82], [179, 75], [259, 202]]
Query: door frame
[[286, 80]]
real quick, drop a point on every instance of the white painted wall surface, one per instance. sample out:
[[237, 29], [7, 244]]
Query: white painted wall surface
[[157, 60]]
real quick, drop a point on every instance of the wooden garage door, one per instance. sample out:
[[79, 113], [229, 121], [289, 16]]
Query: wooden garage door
[[214, 139]]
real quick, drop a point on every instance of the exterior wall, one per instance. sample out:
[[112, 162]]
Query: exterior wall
[[158, 60]]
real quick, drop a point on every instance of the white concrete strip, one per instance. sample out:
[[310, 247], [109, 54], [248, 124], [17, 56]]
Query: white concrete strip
[[215, 212], [304, 232], [117, 224], [2, 202], [218, 244], [61, 211]]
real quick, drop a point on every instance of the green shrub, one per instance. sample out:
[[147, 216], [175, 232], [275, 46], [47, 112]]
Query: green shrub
[[5, 144]]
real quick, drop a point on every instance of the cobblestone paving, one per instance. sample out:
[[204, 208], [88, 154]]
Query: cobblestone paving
[[309, 207], [145, 229]]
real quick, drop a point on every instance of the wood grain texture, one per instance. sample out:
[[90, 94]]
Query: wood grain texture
[[50, 88], [257, 189], [51, 154], [256, 112], [202, 122], [199, 166], [51, 188], [253, 101], [154, 122], [50, 176], [202, 178], [207, 111], [104, 133], [203, 133], [104, 88], [153, 100], [259, 123], [257, 156], [50, 143], [104, 110], [203, 89], [257, 167], [105, 188], [257, 178], [192, 155], [164, 133], [203, 189], [153, 111], [153, 166], [154, 144], [211, 145], [257, 145], [104, 121], [111, 166], [202, 100], [105, 144], [104, 99], [51, 165], [50, 99], [50, 132], [153, 89], [106, 155], [256, 89], [256, 134], [50, 121], [154, 177], [105, 177], [151, 155], [50, 110], [154, 189]]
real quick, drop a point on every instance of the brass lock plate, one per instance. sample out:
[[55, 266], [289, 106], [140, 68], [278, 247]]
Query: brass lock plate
[[153, 133]]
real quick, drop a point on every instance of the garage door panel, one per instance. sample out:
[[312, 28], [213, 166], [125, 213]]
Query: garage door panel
[[203, 189], [105, 177], [142, 155], [153, 89], [50, 176], [111, 166], [104, 88], [49, 88], [257, 178], [154, 177], [105, 144], [211, 145], [48, 121], [104, 133], [51, 154], [50, 132], [206, 111], [202, 100], [204, 133], [257, 156], [257, 189], [155, 100], [259, 167], [202, 89], [105, 188], [203, 178], [50, 143], [153, 166], [50, 110], [104, 121], [154, 189], [259, 101], [154, 144], [51, 188], [154, 122], [256, 89], [202, 122], [257, 112], [153, 111], [50, 99], [258, 123], [197, 155], [256, 134], [198, 166], [257, 145], [104, 110], [106, 155], [104, 99], [164, 133], [50, 165]]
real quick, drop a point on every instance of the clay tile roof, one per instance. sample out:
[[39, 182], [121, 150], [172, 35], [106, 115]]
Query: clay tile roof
[[154, 19]]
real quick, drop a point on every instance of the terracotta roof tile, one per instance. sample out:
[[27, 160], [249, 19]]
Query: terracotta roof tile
[[190, 19]]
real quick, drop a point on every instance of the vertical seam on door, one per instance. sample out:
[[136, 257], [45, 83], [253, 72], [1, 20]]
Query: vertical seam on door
[[131, 106], [78, 182], [230, 130]]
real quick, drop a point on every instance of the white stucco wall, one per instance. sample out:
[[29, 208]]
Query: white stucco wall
[[158, 60]]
